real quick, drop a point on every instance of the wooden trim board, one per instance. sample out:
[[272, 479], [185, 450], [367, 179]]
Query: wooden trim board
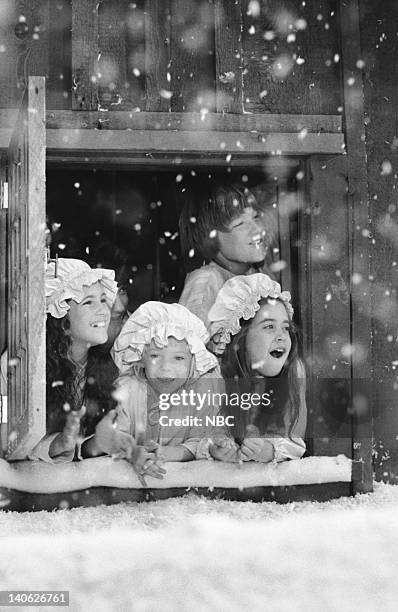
[[18, 501]]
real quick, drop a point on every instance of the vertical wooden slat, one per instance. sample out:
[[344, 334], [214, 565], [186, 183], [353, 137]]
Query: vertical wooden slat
[[59, 83], [380, 77], [121, 47], [26, 268], [3, 265], [37, 13], [85, 54], [326, 306], [360, 247], [9, 93], [157, 54], [229, 56], [192, 50], [274, 81]]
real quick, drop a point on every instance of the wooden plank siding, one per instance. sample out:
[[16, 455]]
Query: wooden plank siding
[[289, 50], [192, 55], [121, 53], [59, 81], [360, 238], [214, 52], [85, 54], [229, 56], [157, 55]]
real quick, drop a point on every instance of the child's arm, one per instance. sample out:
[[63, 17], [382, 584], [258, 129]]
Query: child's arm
[[257, 449], [176, 453], [275, 449], [108, 439], [61, 446], [225, 449], [201, 438]]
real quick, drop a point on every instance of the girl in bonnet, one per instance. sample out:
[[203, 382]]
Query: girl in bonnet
[[170, 382], [80, 374], [254, 319]]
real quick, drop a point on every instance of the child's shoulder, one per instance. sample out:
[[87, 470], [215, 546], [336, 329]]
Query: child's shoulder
[[130, 380], [208, 273], [201, 288], [209, 379]]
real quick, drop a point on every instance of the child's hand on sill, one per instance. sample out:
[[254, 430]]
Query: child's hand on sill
[[216, 345], [225, 449], [147, 461], [65, 442], [257, 449]]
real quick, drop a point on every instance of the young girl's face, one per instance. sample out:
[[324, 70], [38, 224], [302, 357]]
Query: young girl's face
[[268, 341], [89, 319], [167, 368], [244, 242]]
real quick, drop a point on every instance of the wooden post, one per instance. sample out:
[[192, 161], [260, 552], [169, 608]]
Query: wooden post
[[324, 294], [360, 238], [26, 418]]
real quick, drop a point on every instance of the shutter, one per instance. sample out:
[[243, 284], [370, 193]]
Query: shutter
[[26, 268]]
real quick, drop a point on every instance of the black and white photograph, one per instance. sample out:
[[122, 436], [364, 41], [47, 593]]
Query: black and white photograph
[[198, 305]]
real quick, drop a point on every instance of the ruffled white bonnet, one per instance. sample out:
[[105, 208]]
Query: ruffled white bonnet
[[65, 280], [239, 299], [158, 321]]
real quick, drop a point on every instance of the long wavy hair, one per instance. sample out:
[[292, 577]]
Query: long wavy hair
[[285, 391], [101, 372]]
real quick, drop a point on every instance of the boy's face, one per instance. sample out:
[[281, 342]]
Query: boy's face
[[167, 368], [244, 242]]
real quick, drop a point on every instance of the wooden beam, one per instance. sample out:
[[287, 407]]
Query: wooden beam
[[191, 141], [19, 501], [85, 54], [165, 161], [360, 246], [121, 120], [264, 122], [229, 56]]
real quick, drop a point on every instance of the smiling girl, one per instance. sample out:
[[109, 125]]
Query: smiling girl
[[165, 368], [261, 359], [80, 371]]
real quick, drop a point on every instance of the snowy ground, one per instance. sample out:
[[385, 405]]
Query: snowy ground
[[198, 554]]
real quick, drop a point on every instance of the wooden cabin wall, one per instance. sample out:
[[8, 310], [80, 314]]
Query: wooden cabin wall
[[152, 57], [379, 27], [178, 55]]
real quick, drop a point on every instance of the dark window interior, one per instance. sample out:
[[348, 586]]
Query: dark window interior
[[128, 221]]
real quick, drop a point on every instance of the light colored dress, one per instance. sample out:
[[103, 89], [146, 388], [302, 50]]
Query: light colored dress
[[201, 289], [140, 415]]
